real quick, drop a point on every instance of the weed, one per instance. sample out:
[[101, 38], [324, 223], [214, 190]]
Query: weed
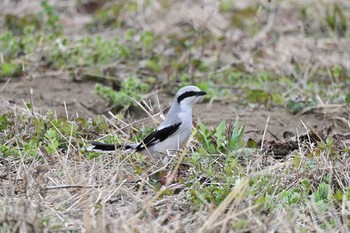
[[222, 139], [51, 18], [347, 98], [336, 20], [131, 91]]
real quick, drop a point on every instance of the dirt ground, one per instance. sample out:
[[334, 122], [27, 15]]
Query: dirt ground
[[79, 99]]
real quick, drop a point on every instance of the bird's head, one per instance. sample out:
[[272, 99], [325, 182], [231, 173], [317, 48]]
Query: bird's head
[[189, 95]]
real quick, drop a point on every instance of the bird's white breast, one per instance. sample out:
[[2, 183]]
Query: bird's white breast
[[178, 139]]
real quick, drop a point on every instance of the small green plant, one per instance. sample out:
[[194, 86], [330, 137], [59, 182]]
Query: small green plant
[[51, 18], [290, 197], [26, 35], [336, 20], [50, 134], [216, 159], [131, 91], [88, 53], [10, 69], [3, 122], [9, 45], [222, 139], [322, 193], [347, 98], [296, 106], [107, 17]]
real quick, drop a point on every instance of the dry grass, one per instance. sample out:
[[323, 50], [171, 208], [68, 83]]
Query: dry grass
[[65, 191]]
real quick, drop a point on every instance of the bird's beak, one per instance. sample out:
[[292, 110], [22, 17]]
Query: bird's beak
[[201, 93]]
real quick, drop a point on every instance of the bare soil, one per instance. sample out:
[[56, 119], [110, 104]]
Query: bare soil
[[56, 94]]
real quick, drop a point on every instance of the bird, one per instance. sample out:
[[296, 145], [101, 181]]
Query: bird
[[171, 134]]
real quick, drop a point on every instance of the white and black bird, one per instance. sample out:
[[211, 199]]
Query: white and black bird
[[172, 133]]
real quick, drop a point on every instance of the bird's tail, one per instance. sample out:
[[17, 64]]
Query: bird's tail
[[105, 147]]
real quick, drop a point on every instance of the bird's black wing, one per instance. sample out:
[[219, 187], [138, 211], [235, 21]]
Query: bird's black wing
[[158, 136], [108, 147], [103, 146]]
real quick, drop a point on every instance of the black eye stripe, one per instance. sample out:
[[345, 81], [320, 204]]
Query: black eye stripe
[[189, 94]]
